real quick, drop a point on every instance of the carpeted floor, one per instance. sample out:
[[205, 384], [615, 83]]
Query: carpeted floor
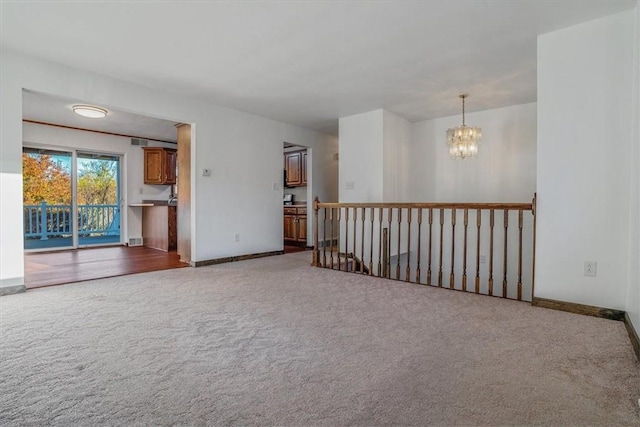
[[273, 341]]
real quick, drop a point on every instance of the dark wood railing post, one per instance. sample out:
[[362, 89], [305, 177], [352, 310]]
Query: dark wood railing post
[[316, 247]]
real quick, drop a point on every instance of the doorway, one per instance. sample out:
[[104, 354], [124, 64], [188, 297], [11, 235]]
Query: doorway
[[71, 199]]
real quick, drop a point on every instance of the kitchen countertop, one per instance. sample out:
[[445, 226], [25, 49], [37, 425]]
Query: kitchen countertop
[[154, 203]]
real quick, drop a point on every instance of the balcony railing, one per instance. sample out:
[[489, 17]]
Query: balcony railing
[[46, 221]]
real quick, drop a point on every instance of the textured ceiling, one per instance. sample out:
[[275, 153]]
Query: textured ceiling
[[308, 62]]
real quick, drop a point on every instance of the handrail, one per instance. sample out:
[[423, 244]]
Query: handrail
[[389, 235], [438, 205]]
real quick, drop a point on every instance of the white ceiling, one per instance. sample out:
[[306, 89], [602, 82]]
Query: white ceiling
[[307, 62], [50, 109]]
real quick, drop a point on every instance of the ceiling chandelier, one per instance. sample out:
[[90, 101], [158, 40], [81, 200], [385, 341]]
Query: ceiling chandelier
[[463, 140]]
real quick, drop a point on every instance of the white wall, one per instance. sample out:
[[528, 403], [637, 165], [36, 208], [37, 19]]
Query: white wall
[[584, 147], [504, 171], [633, 293], [243, 151], [361, 157], [396, 158], [132, 180]]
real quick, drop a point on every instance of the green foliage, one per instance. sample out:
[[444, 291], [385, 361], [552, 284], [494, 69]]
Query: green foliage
[[97, 183]]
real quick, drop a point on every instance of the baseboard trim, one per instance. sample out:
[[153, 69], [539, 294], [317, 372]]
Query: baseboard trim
[[571, 307], [633, 335], [235, 258], [10, 290]]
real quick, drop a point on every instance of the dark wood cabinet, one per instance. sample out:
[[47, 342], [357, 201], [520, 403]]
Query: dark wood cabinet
[[295, 165], [289, 227], [295, 224], [159, 165]]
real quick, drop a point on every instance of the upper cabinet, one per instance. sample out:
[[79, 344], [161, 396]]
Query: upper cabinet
[[295, 165], [159, 165]]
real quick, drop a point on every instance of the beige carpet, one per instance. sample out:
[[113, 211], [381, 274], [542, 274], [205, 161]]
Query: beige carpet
[[273, 341]]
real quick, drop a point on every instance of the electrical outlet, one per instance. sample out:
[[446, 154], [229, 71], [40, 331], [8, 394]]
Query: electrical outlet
[[350, 185], [590, 268], [237, 238], [483, 259], [276, 186], [206, 172]]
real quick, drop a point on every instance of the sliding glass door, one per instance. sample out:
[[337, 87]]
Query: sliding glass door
[[98, 198], [47, 199], [70, 199]]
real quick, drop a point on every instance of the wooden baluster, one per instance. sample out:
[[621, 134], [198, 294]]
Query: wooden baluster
[[338, 248], [388, 266], [453, 248], [355, 247], [419, 244], [385, 252], [520, 255], [380, 211], [346, 239], [478, 224], [355, 233], [362, 242], [332, 234], [408, 273], [504, 280], [430, 229], [491, 222], [399, 234], [441, 240], [324, 237], [464, 255], [316, 243], [373, 213]]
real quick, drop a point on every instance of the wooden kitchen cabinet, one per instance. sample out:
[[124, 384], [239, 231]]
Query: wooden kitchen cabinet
[[289, 227], [295, 165], [295, 225], [159, 165]]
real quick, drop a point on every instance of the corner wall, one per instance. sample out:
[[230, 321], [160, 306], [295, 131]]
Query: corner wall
[[633, 293], [361, 163], [584, 143]]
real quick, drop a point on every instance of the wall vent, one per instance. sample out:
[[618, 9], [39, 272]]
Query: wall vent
[[135, 241], [139, 142]]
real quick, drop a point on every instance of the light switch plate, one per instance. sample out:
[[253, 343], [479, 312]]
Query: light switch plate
[[590, 268]]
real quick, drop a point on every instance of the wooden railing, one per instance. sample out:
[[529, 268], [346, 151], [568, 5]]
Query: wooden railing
[[465, 246]]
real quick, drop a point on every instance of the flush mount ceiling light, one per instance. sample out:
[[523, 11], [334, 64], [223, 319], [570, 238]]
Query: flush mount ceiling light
[[89, 111], [463, 141]]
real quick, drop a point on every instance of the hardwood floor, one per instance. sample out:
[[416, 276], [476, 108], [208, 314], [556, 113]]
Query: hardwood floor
[[55, 268], [288, 249]]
